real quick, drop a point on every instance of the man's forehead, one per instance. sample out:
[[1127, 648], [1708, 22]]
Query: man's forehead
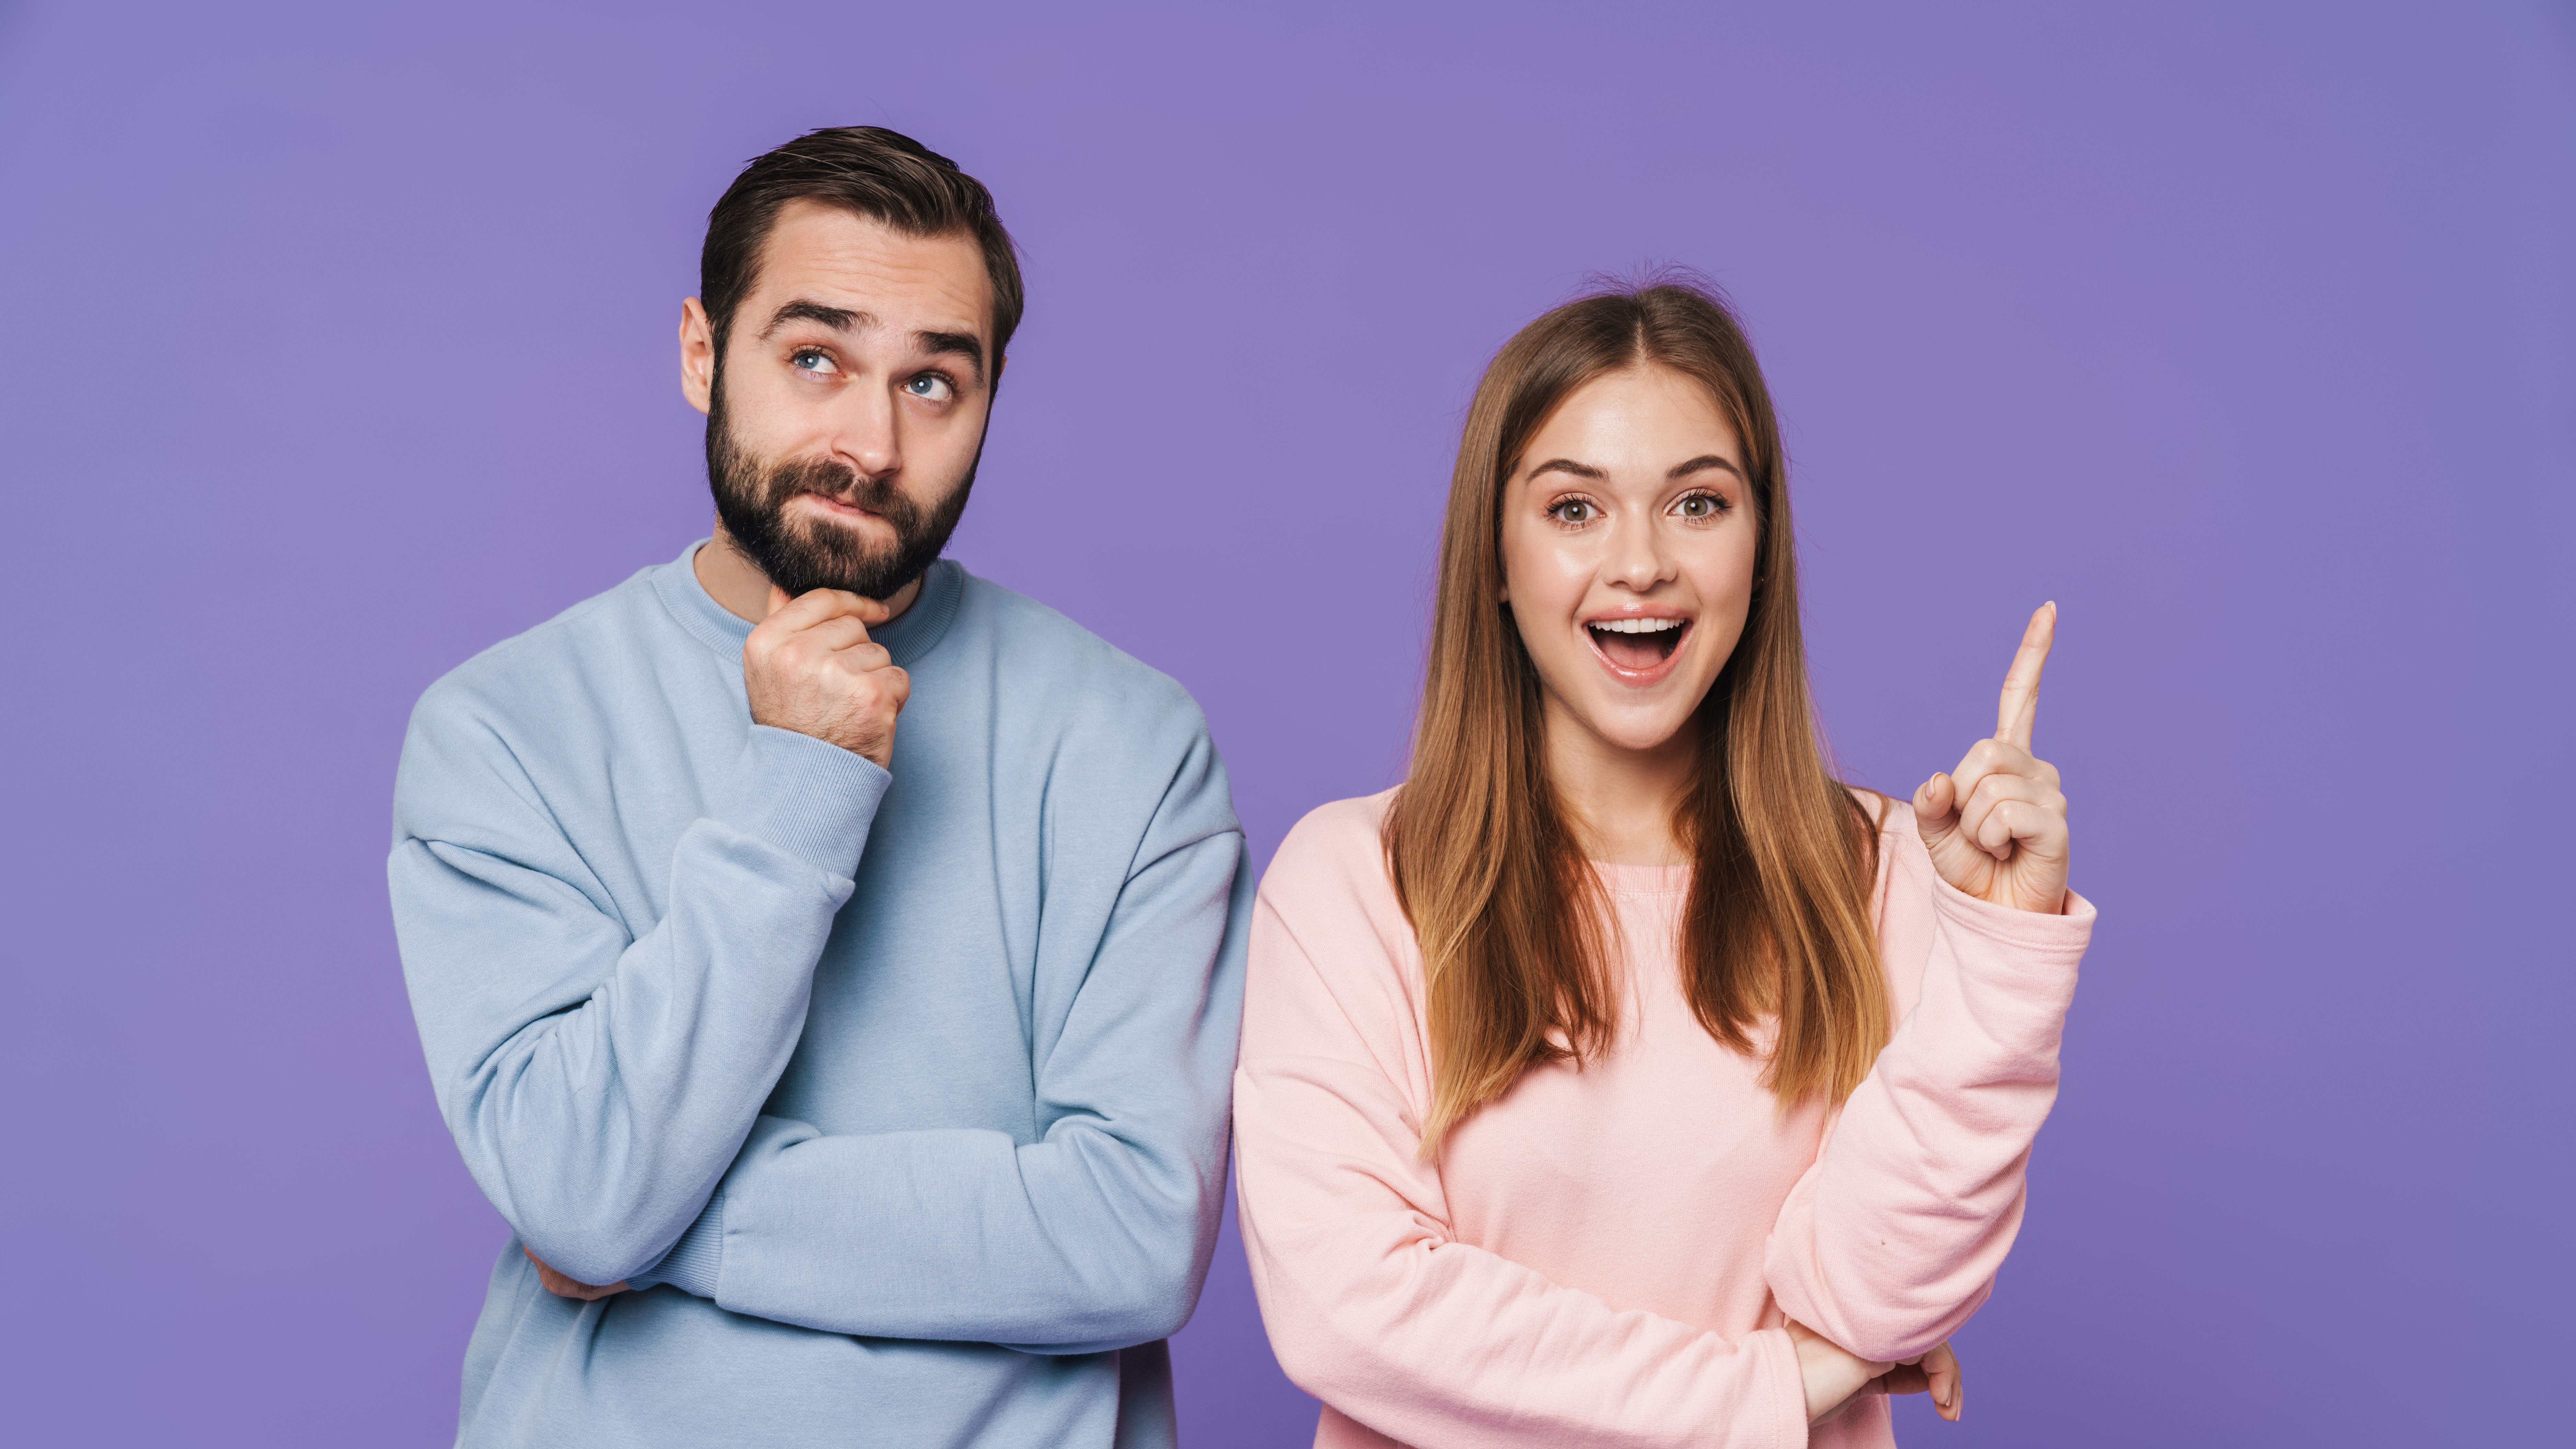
[[842, 259]]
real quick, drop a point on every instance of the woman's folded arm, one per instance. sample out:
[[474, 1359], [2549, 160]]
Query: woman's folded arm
[[1893, 1238], [1374, 1308]]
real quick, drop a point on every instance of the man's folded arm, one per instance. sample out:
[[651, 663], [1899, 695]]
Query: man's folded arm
[[599, 1083], [1096, 1236]]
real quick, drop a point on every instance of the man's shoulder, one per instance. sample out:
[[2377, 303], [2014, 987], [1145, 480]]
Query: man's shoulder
[[1074, 669], [1094, 731], [534, 673]]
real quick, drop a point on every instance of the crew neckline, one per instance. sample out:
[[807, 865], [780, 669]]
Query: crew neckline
[[943, 589], [1642, 880]]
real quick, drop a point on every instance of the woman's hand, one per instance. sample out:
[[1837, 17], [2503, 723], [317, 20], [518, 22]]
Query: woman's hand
[[1936, 1373], [1996, 826], [1834, 1376]]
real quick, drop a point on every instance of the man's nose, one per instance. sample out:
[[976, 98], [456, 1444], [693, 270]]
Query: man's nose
[[869, 433]]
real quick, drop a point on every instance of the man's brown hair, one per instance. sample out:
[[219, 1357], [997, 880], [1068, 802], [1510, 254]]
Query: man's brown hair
[[870, 170]]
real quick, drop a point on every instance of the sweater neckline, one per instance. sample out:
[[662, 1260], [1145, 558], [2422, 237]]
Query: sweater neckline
[[943, 590], [1642, 880]]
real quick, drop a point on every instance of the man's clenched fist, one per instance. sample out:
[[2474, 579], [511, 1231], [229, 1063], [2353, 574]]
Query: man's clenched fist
[[811, 668]]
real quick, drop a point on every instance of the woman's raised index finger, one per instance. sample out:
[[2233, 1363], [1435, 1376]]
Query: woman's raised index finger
[[2015, 713]]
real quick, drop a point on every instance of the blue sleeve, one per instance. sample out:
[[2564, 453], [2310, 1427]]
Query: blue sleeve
[[600, 1082], [1097, 1235]]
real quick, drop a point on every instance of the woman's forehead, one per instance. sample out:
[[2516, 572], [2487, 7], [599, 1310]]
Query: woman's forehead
[[1645, 419]]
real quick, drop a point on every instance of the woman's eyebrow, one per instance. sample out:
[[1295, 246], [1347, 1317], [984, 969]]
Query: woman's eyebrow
[[1703, 461], [1567, 465]]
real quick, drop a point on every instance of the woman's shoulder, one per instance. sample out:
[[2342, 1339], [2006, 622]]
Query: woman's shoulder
[[1892, 816], [1330, 885], [1904, 869], [1339, 848], [1333, 970]]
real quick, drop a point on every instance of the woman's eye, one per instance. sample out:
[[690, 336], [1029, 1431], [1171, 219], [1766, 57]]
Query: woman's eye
[[810, 360], [932, 386], [1575, 510], [1699, 505]]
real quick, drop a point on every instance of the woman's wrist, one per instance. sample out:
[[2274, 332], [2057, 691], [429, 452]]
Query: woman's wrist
[[1830, 1374]]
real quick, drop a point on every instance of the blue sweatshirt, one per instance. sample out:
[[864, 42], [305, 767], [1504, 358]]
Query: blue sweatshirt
[[900, 1096]]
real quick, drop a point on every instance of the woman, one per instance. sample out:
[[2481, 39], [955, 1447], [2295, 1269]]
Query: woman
[[1623, 1078]]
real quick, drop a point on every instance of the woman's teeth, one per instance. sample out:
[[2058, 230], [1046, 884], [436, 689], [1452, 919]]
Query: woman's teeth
[[1637, 643]]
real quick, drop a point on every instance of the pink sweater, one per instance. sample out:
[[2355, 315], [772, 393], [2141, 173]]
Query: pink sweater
[[1605, 1256]]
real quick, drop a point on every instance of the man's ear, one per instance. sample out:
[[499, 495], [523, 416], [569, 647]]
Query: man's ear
[[697, 356]]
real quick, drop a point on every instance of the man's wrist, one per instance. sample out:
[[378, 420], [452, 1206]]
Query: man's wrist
[[804, 795]]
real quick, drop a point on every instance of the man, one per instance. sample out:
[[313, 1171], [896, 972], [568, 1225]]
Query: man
[[836, 956]]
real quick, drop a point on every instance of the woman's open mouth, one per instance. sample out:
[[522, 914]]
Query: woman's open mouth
[[1636, 646]]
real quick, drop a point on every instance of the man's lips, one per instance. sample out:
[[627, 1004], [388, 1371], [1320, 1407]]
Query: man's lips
[[837, 509]]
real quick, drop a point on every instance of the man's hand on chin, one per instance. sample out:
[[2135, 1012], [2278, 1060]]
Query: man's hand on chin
[[563, 1287]]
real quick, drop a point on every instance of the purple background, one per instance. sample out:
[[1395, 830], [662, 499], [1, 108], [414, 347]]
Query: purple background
[[340, 346]]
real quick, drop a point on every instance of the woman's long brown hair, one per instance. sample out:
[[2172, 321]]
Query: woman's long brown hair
[[1513, 926]]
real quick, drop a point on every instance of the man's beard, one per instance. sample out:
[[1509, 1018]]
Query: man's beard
[[800, 555]]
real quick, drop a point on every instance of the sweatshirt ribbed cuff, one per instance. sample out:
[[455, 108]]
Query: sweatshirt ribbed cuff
[[812, 799], [2060, 937], [1784, 1396], [695, 1264]]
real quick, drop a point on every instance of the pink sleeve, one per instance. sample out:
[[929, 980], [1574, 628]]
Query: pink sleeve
[[1371, 1305], [1892, 1239]]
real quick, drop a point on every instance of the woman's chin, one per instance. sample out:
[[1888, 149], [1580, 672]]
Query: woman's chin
[[1643, 723], [1640, 732]]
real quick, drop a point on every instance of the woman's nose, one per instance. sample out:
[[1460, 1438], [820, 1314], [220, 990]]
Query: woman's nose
[[1636, 557]]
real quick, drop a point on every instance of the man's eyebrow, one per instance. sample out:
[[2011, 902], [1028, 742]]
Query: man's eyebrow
[[1704, 460], [839, 319], [954, 344], [1568, 465]]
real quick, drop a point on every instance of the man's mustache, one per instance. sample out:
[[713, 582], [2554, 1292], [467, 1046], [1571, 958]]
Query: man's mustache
[[842, 484]]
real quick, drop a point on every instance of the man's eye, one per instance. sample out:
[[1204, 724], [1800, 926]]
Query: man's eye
[[807, 359], [1575, 510], [932, 386]]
